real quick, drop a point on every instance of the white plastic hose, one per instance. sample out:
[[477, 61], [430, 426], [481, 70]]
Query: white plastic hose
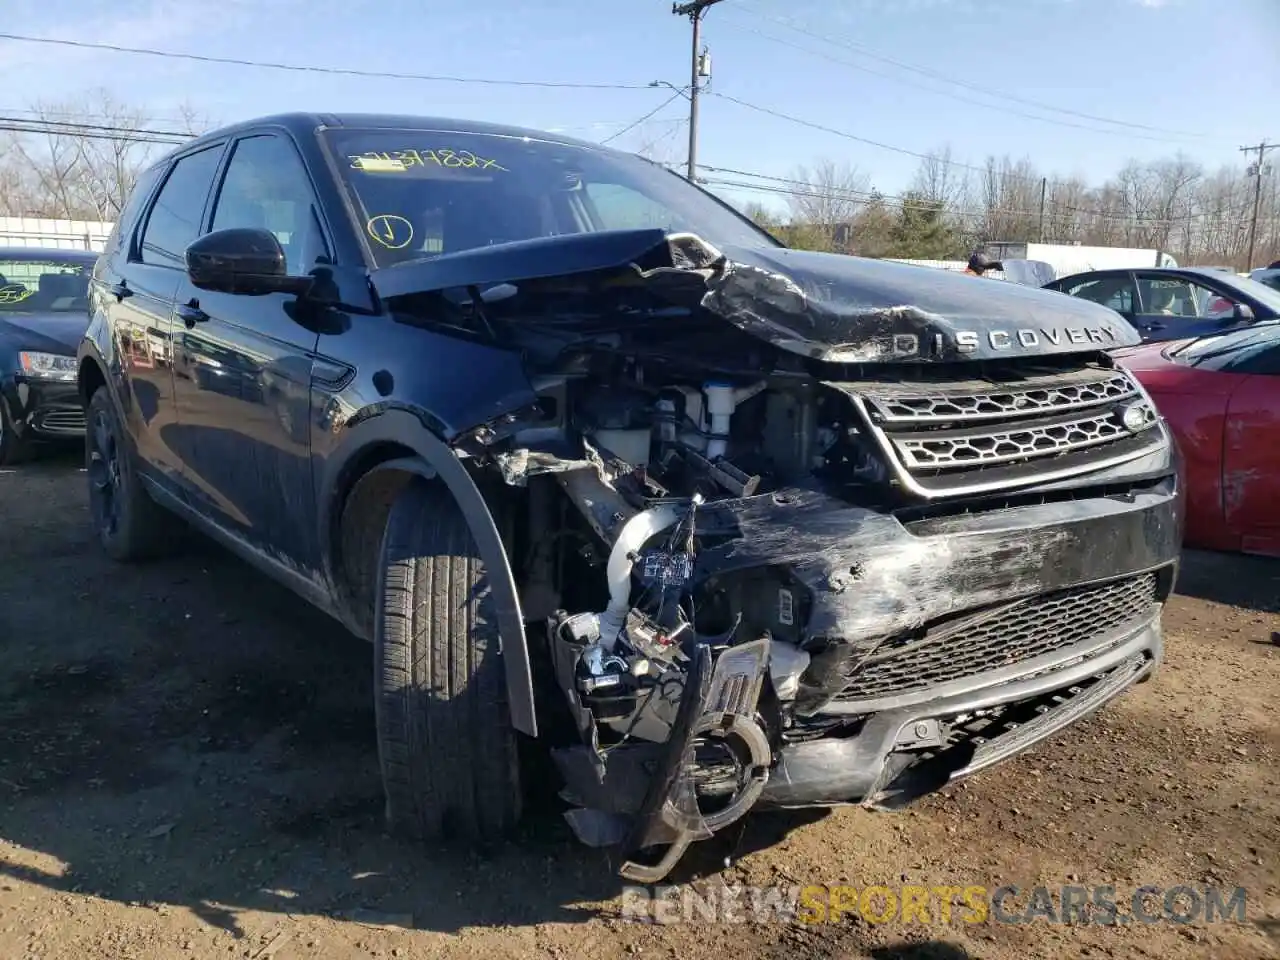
[[618, 573]]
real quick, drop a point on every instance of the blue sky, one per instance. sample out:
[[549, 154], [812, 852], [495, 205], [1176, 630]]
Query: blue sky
[[1204, 69]]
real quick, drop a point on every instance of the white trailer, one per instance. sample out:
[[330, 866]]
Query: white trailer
[[1068, 258]]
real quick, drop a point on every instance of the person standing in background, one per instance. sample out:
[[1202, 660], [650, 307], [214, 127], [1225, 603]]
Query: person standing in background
[[979, 264]]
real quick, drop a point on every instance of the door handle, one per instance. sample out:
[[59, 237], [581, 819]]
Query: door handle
[[120, 291], [191, 314]]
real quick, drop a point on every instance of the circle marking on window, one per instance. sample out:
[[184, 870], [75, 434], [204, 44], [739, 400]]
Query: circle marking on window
[[394, 233]]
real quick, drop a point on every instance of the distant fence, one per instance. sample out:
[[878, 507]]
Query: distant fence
[[958, 265], [63, 234]]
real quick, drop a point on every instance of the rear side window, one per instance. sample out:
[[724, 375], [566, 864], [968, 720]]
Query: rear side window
[[1115, 292], [175, 217]]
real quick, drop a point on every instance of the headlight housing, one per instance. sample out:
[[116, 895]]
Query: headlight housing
[[47, 366]]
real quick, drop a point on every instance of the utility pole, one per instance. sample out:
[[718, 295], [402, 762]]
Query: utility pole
[[694, 10], [1044, 183], [1256, 170]]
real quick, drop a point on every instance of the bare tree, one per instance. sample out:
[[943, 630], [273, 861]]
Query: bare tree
[[938, 180], [81, 159], [826, 200]]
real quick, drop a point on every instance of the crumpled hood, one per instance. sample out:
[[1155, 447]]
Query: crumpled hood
[[50, 332], [854, 310], [826, 306]]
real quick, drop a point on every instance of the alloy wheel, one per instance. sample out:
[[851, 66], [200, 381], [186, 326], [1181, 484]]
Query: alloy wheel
[[104, 475]]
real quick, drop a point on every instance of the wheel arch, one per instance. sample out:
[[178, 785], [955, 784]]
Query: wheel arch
[[360, 479], [89, 377]]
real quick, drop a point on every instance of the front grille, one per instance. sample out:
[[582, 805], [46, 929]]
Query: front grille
[[962, 448], [61, 420], [978, 436], [1000, 637], [1006, 403]]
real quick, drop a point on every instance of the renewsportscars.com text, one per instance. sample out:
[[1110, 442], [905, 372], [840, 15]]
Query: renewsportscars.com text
[[972, 904]]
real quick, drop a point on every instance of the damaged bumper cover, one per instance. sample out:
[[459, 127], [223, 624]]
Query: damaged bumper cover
[[872, 576]]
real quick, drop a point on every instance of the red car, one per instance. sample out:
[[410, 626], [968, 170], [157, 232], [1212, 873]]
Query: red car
[[1221, 396]]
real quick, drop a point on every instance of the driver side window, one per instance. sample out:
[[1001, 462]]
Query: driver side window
[[266, 187], [1179, 298]]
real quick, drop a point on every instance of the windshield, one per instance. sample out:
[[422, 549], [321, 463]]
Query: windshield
[[1268, 279], [43, 285], [1228, 349], [422, 193]]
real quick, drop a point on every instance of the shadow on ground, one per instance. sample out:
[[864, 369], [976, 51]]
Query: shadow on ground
[[1252, 583], [186, 733]]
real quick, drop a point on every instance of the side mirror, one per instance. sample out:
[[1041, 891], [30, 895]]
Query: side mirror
[[1244, 313], [242, 260]]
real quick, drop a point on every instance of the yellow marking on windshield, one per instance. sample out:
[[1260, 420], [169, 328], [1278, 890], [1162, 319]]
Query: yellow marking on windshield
[[394, 233], [14, 293], [373, 161], [377, 164]]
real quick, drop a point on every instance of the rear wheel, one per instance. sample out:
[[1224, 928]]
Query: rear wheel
[[448, 753], [129, 524]]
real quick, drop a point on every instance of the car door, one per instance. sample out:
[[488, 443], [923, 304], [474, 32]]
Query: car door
[[138, 284], [243, 366], [1174, 307], [1251, 452]]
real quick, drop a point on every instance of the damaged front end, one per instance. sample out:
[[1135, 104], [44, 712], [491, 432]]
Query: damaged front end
[[802, 529]]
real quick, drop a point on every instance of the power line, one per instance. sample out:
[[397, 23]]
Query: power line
[[35, 127], [862, 49], [635, 123], [792, 187], [81, 125], [947, 93], [315, 68], [874, 143]]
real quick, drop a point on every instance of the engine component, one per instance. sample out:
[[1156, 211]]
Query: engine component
[[604, 683], [718, 707], [650, 639], [724, 473], [629, 445], [720, 407], [634, 535], [786, 664]]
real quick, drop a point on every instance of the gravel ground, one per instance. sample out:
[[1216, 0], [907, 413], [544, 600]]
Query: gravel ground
[[187, 769]]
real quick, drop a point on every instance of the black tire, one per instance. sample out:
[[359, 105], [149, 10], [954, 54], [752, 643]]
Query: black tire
[[130, 525], [13, 448], [449, 756]]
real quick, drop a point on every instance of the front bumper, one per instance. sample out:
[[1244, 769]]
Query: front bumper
[[45, 409], [887, 766], [871, 575]]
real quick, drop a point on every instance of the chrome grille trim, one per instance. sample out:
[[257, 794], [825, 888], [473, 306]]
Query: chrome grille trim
[[952, 449], [926, 408], [61, 420], [946, 439]]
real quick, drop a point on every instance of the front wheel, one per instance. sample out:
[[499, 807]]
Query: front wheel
[[448, 753]]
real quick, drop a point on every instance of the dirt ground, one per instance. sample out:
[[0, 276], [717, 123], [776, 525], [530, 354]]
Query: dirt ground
[[187, 769]]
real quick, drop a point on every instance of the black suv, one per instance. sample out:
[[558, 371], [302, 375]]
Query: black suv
[[591, 459]]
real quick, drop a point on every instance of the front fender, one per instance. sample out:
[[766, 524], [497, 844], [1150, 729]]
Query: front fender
[[433, 459], [97, 348]]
